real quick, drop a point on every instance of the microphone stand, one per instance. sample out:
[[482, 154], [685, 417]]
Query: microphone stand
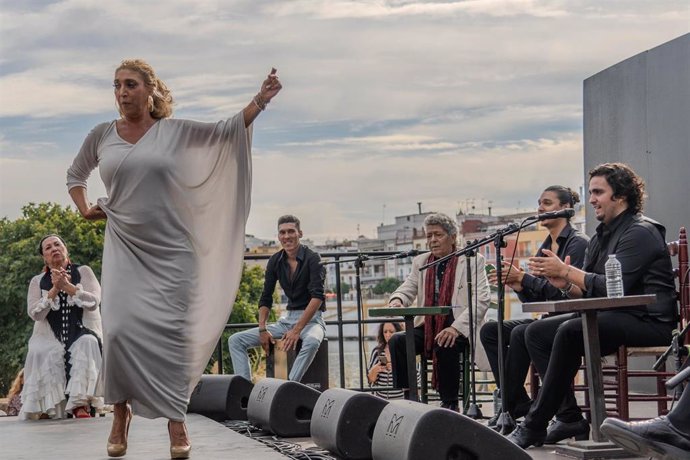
[[359, 264], [472, 410], [505, 423]]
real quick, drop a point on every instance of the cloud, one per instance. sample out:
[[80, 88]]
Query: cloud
[[358, 186], [387, 102], [386, 9]]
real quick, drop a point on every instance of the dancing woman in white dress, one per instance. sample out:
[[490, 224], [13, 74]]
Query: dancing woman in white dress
[[178, 200]]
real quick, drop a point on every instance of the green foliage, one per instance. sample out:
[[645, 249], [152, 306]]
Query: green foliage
[[386, 286], [20, 261]]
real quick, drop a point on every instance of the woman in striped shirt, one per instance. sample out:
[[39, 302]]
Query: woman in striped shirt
[[379, 372]]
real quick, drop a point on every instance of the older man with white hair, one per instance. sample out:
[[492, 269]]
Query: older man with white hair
[[440, 337]]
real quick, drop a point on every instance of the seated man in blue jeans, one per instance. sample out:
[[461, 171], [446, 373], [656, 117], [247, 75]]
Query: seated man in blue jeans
[[297, 268]]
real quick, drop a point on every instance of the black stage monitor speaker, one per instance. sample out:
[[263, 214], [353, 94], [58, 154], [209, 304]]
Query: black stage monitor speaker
[[221, 397], [409, 430], [343, 422], [282, 407]]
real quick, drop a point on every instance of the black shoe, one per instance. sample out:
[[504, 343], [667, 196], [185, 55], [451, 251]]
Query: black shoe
[[558, 431], [450, 405], [652, 438], [525, 437], [521, 410], [492, 421], [504, 424]]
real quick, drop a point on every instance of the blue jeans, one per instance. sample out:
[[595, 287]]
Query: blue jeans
[[312, 335]]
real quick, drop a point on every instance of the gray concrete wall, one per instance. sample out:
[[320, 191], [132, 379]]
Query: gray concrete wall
[[638, 112]]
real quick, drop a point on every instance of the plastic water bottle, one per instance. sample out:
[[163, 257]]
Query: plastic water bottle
[[614, 277]]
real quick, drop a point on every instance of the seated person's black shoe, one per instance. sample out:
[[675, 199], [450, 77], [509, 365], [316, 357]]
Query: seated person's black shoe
[[450, 405], [492, 421], [505, 424], [651, 438], [525, 437], [521, 410], [558, 431]]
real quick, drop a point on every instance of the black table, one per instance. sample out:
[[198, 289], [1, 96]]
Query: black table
[[588, 309]]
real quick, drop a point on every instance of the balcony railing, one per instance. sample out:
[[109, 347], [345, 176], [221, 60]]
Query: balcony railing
[[339, 320]]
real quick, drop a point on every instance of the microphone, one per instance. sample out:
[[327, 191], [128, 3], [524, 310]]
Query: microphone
[[567, 212], [402, 255]]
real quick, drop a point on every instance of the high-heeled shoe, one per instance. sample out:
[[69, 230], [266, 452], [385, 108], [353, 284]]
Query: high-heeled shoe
[[180, 451], [120, 449], [81, 412]]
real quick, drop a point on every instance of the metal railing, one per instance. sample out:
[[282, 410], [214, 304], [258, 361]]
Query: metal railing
[[339, 321]]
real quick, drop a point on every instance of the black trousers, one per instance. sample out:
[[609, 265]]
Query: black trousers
[[448, 361], [556, 346], [517, 362]]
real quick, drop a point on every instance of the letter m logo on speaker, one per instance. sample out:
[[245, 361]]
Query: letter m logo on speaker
[[326, 411], [394, 425], [262, 394]]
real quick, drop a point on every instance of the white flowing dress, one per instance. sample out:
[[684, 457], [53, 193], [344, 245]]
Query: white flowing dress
[[177, 206], [45, 383]]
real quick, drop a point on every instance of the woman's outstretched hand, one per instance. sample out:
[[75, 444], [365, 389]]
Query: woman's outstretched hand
[[270, 86]]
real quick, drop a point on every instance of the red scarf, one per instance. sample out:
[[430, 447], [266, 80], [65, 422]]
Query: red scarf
[[434, 324]]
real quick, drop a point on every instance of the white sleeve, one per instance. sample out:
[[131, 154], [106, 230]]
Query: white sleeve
[[408, 291], [38, 305], [482, 298], [87, 158], [88, 294]]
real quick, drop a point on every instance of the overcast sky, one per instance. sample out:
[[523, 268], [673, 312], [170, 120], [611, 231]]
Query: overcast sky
[[385, 103]]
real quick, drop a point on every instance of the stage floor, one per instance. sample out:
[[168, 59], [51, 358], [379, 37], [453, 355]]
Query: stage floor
[[82, 439]]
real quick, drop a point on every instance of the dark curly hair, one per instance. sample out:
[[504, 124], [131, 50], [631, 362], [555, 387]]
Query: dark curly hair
[[624, 182]]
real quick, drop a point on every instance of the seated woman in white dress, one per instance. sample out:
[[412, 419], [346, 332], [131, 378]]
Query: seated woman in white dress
[[64, 357]]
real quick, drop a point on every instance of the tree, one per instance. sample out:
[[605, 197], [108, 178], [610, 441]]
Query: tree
[[20, 261], [386, 286]]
